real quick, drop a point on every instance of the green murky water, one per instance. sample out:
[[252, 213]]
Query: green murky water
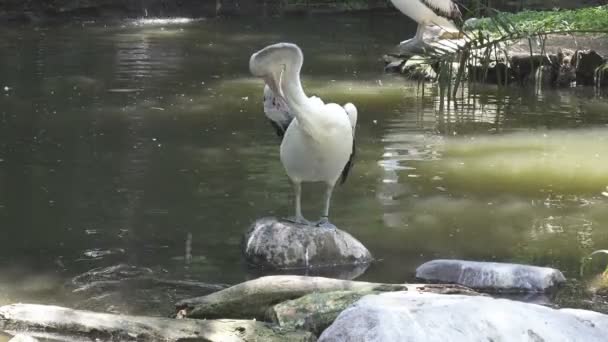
[[118, 142]]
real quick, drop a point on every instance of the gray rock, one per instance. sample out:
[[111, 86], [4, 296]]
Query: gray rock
[[279, 245], [414, 316], [491, 276], [316, 311]]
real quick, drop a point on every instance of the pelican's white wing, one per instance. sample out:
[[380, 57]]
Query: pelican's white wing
[[445, 8], [317, 100], [352, 113]]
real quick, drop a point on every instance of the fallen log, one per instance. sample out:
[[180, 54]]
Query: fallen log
[[254, 298], [65, 324]]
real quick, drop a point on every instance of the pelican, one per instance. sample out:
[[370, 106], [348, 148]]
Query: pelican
[[430, 12], [318, 138]]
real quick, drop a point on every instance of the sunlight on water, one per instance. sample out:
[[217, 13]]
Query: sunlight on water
[[552, 161], [164, 21]]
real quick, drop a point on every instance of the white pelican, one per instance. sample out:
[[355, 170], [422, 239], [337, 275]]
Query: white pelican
[[318, 143], [430, 12]]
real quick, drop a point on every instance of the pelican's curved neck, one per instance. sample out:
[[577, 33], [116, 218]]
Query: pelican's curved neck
[[292, 88]]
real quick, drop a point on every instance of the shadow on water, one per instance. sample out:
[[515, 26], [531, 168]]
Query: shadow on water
[[145, 144]]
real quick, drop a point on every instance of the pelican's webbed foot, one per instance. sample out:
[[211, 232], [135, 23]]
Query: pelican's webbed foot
[[298, 220], [324, 223]]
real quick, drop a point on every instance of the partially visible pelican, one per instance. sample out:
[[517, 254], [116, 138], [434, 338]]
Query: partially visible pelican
[[318, 142], [430, 12]]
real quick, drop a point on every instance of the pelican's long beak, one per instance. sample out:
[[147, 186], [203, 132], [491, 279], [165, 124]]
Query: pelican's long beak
[[275, 82]]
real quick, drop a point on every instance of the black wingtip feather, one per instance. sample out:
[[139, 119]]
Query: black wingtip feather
[[278, 129], [349, 165]]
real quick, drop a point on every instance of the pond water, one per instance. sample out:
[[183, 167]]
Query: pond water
[[145, 143]]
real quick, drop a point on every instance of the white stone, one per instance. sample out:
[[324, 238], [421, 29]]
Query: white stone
[[415, 316], [502, 277]]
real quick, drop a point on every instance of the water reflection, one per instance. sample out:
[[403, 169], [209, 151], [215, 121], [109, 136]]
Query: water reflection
[[147, 146]]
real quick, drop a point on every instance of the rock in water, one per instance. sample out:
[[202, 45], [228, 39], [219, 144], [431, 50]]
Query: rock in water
[[414, 316], [491, 276], [585, 64], [316, 311], [279, 244]]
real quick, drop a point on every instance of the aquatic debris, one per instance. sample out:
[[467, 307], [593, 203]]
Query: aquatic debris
[[100, 253], [116, 272]]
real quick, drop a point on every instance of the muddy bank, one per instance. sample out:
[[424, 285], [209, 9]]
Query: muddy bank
[[561, 61]]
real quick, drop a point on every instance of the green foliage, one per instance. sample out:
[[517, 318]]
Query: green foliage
[[590, 18]]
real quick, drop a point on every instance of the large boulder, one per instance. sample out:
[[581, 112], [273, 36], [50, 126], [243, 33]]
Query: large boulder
[[414, 316], [276, 244], [491, 276]]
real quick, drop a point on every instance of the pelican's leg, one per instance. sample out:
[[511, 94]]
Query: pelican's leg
[[420, 32], [325, 215], [297, 187], [298, 191]]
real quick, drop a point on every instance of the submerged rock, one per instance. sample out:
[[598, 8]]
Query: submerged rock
[[73, 325], [279, 244], [129, 289], [413, 316], [491, 276]]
